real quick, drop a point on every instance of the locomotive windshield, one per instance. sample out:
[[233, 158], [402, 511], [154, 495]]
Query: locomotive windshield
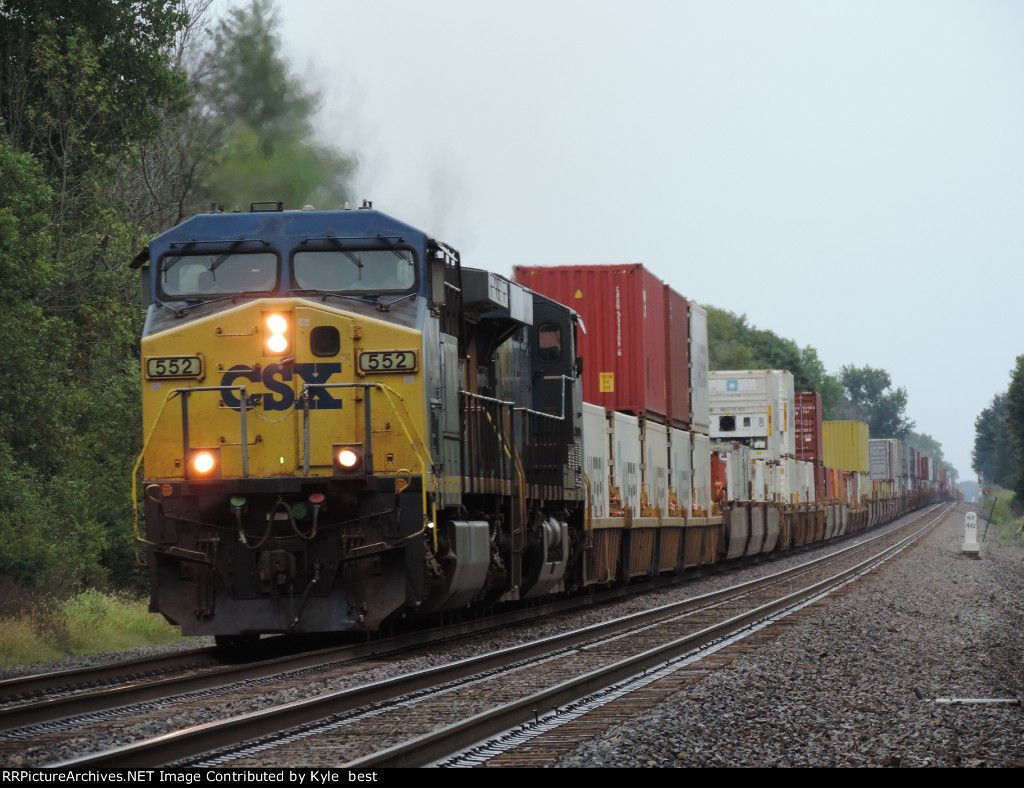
[[354, 270], [212, 273]]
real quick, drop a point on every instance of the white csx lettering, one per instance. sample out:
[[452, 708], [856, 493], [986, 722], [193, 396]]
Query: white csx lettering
[[276, 377]]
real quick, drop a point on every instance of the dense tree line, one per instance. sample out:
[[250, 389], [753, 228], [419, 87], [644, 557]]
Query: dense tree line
[[857, 393], [998, 453], [117, 120]]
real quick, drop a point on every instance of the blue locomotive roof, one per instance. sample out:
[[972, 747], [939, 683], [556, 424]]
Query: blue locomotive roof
[[287, 229]]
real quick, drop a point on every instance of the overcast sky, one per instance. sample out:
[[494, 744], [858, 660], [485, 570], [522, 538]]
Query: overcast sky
[[849, 175]]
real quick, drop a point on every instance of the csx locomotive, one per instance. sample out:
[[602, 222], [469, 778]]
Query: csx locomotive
[[344, 427]]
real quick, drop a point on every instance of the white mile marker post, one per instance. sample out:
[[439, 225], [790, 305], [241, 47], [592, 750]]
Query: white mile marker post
[[971, 535]]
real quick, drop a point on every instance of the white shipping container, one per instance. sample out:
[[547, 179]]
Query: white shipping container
[[626, 459], [781, 491], [786, 398], [702, 472], [809, 482], [736, 457], [595, 457], [754, 407], [884, 458], [656, 467], [681, 471], [759, 480], [699, 357]]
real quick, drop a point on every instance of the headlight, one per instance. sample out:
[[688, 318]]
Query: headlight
[[276, 326], [348, 460], [204, 463]]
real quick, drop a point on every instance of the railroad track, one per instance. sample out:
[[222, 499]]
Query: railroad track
[[447, 708]]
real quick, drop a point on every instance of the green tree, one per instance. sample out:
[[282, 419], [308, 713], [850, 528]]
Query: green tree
[[81, 84], [41, 540], [727, 348], [871, 399], [120, 48], [1015, 419], [733, 344], [262, 118], [994, 453]]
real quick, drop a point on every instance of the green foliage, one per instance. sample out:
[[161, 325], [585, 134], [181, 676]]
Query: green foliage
[[99, 148], [860, 393], [75, 93], [119, 52], [871, 399], [733, 344], [261, 118], [1001, 505], [994, 454], [1015, 419], [87, 623]]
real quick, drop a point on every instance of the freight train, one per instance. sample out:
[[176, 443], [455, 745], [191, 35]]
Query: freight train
[[345, 428]]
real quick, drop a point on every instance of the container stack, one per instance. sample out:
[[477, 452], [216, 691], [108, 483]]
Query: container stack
[[755, 409], [886, 460], [808, 438], [645, 356]]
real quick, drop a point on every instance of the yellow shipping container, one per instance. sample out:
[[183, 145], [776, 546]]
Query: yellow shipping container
[[845, 445]]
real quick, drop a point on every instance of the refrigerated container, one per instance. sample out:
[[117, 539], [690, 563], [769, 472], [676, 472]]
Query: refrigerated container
[[754, 407]]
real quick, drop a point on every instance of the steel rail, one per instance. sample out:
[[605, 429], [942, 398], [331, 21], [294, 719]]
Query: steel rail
[[429, 748], [190, 743], [126, 688]]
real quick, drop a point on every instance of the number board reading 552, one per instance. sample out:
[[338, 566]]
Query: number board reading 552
[[174, 367], [387, 361]]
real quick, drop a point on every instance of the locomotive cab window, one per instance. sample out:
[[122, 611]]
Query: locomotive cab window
[[215, 273], [354, 270], [549, 342]]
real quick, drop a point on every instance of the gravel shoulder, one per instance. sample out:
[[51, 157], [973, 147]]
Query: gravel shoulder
[[855, 683]]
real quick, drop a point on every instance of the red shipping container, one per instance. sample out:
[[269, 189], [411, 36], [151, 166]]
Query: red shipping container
[[820, 482], [807, 431], [677, 359], [626, 331]]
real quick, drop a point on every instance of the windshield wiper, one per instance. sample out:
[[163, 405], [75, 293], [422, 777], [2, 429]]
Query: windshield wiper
[[363, 299], [387, 307], [192, 303], [344, 251], [224, 256]]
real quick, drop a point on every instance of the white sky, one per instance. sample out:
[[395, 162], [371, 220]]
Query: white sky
[[848, 174]]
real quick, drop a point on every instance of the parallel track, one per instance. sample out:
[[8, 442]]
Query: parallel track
[[355, 735]]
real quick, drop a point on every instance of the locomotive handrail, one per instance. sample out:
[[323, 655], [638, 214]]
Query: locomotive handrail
[[561, 416], [409, 430], [243, 409], [183, 393]]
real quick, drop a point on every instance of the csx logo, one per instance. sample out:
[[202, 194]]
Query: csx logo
[[276, 377]]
